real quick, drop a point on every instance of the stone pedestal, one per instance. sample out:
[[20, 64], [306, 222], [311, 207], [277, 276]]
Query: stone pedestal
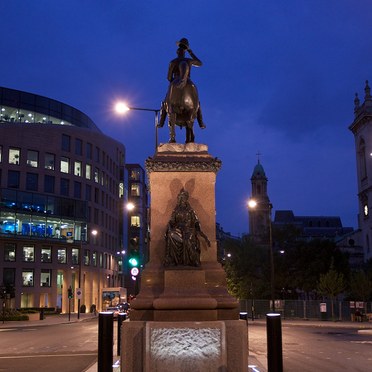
[[184, 294]]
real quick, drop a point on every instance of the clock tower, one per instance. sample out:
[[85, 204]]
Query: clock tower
[[362, 130], [259, 206]]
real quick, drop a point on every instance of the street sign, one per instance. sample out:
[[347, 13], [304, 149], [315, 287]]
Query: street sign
[[78, 293]]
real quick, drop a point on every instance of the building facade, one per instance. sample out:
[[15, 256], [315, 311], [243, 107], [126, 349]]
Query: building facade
[[362, 131], [137, 226], [61, 203]]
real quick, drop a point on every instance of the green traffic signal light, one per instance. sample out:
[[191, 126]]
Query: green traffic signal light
[[133, 261]]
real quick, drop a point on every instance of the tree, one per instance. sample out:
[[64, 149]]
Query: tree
[[360, 286], [331, 285]]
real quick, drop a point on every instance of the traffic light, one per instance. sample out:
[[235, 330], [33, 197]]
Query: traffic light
[[134, 252], [70, 293]]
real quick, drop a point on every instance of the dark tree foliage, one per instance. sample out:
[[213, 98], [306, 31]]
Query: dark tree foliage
[[298, 267]]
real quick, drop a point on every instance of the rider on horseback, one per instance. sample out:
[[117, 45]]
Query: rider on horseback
[[179, 76]]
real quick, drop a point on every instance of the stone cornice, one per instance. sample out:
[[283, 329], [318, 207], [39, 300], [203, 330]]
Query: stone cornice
[[183, 164]]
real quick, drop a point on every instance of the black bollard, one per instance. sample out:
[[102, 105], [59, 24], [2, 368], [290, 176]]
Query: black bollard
[[274, 343], [121, 318], [105, 341]]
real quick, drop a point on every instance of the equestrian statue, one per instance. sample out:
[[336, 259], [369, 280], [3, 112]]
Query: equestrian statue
[[181, 103]]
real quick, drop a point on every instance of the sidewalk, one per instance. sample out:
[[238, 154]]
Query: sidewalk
[[48, 320]]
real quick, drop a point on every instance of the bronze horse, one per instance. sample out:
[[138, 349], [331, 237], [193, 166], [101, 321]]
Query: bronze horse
[[181, 103]]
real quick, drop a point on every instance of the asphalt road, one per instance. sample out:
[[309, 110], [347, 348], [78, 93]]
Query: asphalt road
[[315, 347], [58, 348]]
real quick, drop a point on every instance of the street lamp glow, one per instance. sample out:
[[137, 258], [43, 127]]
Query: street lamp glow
[[121, 108], [94, 232], [130, 206], [252, 203]]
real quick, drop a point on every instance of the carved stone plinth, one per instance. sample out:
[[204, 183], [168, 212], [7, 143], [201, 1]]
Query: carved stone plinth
[[183, 317]]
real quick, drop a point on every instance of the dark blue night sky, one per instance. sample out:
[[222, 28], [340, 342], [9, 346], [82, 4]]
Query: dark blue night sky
[[278, 78]]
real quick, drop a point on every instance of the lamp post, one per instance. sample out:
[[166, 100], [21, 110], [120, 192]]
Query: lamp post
[[253, 204], [122, 108]]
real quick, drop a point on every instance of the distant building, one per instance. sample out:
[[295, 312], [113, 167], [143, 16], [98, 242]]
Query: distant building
[[137, 224], [312, 227], [362, 130], [61, 179]]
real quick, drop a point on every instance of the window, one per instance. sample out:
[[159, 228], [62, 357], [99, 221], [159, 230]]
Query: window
[[49, 182], [10, 252], [96, 175], [65, 186], [14, 156], [88, 193], [77, 168], [89, 151], [9, 276], [13, 179], [75, 256], [28, 253], [1, 153], [32, 181], [135, 221], [50, 160], [135, 189], [78, 146], [45, 278], [86, 257], [66, 142], [77, 190], [94, 258], [46, 254], [61, 256], [28, 277], [135, 174], [32, 158], [65, 165], [88, 171], [96, 154]]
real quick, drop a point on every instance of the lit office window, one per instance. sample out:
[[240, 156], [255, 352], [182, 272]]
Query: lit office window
[[61, 256], [10, 252], [77, 168], [28, 253], [1, 153], [86, 257], [14, 156], [88, 171], [135, 189], [135, 221], [50, 161], [45, 278], [75, 256], [96, 175], [46, 254], [94, 258], [65, 164], [32, 158], [28, 277]]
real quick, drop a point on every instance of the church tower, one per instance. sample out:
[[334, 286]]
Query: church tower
[[362, 130], [259, 206]]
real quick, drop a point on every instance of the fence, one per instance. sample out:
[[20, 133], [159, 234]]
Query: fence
[[308, 309]]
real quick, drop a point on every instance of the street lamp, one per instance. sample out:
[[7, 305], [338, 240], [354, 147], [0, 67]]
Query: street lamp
[[121, 108], [94, 233], [253, 204]]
